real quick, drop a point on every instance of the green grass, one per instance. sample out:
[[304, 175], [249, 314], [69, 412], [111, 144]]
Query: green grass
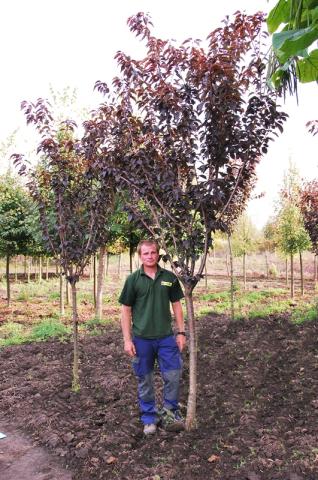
[[259, 304], [305, 313], [29, 291], [92, 325], [252, 304], [13, 333], [49, 328]]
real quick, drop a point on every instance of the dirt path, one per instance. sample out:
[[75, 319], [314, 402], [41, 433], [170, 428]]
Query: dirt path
[[21, 460]]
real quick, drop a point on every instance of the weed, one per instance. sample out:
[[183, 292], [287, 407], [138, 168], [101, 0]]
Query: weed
[[12, 333], [93, 324], [305, 313], [49, 328]]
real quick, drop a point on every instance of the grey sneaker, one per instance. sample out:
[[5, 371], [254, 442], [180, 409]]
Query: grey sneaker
[[172, 420], [150, 429]]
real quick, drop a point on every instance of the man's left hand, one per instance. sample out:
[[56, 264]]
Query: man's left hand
[[181, 342]]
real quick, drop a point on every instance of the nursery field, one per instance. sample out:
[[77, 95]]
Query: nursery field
[[257, 380]]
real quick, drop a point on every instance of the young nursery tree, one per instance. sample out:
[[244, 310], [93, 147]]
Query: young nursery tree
[[309, 210], [292, 238], [244, 239], [291, 234], [17, 218], [191, 126], [74, 191]]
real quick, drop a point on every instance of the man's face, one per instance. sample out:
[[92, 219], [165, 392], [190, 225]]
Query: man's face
[[148, 255]]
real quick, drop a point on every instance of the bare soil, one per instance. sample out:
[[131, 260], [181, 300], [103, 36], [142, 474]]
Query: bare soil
[[257, 407]]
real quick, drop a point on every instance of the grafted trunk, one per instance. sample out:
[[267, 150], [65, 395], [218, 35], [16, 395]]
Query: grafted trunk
[[191, 422], [231, 276], [67, 293], [100, 283], [62, 303], [286, 270], [75, 382], [94, 281]]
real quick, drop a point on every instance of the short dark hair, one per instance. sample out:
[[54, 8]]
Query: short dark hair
[[147, 241]]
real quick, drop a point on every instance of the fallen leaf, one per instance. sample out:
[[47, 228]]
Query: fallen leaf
[[111, 460], [213, 458]]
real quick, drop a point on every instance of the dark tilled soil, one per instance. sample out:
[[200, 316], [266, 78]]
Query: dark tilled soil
[[257, 406]]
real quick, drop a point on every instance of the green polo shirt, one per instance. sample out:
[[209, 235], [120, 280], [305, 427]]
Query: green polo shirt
[[150, 301]]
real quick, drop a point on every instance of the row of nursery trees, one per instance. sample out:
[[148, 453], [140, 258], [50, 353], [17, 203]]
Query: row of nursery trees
[[21, 234], [175, 143], [291, 231]]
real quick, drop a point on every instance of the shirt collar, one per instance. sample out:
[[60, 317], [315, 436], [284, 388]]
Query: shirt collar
[[159, 270]]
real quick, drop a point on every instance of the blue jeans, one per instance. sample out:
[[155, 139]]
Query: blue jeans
[[166, 352]]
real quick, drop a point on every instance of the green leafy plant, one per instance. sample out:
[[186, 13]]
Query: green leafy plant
[[294, 28], [49, 328]]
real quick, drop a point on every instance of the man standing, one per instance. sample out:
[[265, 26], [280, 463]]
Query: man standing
[[145, 300]]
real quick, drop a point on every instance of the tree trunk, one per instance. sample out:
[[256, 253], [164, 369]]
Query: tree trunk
[[67, 293], [75, 382], [62, 304], [100, 283], [266, 264], [231, 276], [29, 269], [8, 280], [301, 273], [192, 396], [286, 269], [227, 265], [91, 268], [47, 268], [107, 264], [205, 277], [315, 268], [94, 281], [244, 271], [15, 269], [292, 289], [131, 256], [40, 270], [119, 265]]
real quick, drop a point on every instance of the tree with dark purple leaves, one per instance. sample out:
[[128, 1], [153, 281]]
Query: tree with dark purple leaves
[[74, 191], [189, 126]]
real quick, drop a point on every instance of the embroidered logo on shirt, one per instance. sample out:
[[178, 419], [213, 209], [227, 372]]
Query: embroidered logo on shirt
[[166, 284]]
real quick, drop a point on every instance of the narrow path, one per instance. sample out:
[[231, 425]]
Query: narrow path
[[21, 460]]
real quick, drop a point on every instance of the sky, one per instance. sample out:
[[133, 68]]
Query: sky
[[71, 44]]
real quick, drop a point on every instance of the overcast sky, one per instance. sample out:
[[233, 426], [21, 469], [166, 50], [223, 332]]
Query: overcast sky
[[72, 43]]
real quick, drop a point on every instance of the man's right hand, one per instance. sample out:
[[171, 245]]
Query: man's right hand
[[129, 348]]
